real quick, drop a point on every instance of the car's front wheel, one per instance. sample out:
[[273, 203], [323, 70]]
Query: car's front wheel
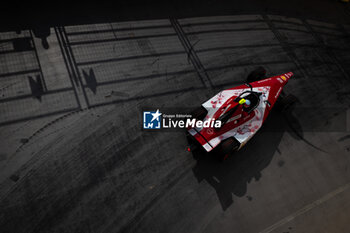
[[256, 75], [199, 113], [286, 102]]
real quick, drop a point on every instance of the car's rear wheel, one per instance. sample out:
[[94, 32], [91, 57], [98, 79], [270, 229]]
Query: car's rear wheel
[[199, 113], [256, 75], [228, 146]]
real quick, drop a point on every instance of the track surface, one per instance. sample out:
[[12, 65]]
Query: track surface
[[73, 156]]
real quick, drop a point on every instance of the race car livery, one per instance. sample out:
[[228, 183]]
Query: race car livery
[[242, 110]]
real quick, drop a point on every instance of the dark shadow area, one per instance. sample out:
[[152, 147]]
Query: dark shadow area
[[42, 31], [22, 44], [36, 87], [21, 15], [90, 80], [233, 175]]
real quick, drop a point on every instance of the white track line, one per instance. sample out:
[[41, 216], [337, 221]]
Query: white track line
[[306, 208]]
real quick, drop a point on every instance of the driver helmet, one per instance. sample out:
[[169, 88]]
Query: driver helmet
[[246, 102]]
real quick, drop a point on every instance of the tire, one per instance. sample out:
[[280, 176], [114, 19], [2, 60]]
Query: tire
[[227, 147], [285, 103], [199, 113], [256, 75]]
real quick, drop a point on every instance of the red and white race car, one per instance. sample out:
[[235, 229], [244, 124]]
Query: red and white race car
[[242, 110]]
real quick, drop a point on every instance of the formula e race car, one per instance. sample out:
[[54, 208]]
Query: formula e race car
[[241, 110]]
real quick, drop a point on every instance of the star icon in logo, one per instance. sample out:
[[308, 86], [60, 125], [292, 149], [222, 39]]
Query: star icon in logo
[[156, 115]]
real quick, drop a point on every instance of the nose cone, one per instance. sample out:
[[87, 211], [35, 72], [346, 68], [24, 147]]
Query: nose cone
[[287, 76]]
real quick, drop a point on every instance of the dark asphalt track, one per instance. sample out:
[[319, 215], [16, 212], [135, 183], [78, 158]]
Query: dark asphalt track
[[73, 156], [16, 15]]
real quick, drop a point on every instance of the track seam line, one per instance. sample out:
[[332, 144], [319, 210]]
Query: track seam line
[[74, 67], [192, 56], [38, 61], [286, 47], [66, 59], [329, 52]]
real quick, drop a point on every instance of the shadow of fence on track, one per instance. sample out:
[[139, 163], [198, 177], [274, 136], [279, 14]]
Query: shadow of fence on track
[[82, 73]]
